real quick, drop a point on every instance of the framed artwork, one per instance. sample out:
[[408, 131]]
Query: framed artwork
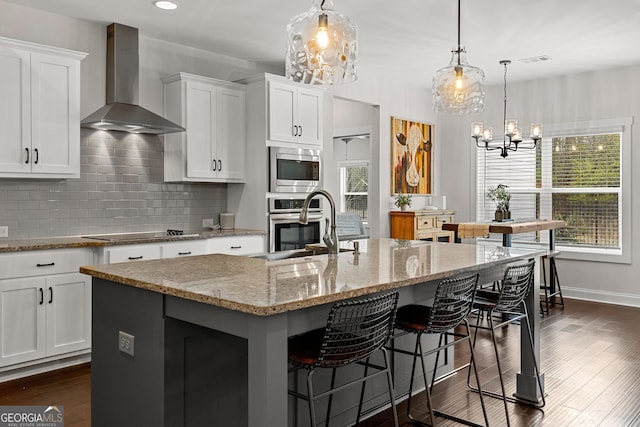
[[411, 157]]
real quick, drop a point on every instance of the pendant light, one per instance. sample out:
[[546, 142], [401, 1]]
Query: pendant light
[[459, 87], [322, 46]]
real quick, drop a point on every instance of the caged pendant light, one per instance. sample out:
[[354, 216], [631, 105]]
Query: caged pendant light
[[322, 46], [459, 87]]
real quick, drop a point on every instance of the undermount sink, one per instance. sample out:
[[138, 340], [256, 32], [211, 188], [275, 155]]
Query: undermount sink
[[296, 253]]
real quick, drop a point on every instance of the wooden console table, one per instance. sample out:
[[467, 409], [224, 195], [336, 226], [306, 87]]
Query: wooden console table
[[422, 225]]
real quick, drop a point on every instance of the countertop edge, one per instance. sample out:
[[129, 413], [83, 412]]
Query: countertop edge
[[33, 244]]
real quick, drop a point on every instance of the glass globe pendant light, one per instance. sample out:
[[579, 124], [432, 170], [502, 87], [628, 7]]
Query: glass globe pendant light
[[459, 87], [322, 46]]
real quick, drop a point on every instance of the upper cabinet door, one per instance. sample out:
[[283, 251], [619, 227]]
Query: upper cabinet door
[[213, 113], [39, 111], [200, 125], [309, 116], [55, 115], [282, 104], [295, 113], [230, 134], [15, 111]]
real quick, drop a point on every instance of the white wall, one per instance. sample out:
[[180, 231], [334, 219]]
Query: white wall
[[613, 93], [390, 99]]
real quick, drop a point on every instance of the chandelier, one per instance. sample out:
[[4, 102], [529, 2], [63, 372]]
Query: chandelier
[[459, 87], [512, 138], [322, 46]]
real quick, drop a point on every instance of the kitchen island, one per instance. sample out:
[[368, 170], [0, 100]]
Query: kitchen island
[[210, 332]]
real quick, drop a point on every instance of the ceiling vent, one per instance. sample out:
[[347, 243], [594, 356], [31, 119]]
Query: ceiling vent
[[541, 58]]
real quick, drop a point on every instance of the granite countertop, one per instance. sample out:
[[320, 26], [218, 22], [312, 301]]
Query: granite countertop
[[263, 288], [18, 245]]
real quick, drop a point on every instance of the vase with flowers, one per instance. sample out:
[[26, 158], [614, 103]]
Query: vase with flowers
[[501, 197]]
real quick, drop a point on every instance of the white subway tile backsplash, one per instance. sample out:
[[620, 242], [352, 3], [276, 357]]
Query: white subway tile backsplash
[[120, 189]]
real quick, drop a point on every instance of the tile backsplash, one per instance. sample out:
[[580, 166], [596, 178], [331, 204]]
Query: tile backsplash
[[120, 189]]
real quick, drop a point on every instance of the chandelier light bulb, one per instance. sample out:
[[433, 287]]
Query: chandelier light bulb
[[322, 37]]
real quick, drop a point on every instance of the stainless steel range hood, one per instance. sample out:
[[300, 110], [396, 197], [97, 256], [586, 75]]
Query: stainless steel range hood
[[122, 111]]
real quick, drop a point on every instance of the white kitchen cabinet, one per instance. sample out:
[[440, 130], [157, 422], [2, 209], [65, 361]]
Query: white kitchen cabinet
[[127, 253], [182, 249], [39, 111], [295, 113], [212, 149], [45, 305], [236, 245]]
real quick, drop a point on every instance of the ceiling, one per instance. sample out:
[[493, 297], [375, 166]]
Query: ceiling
[[404, 39]]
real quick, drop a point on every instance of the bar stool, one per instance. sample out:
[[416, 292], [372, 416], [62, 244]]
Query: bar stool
[[451, 305], [550, 292], [355, 330], [509, 303]]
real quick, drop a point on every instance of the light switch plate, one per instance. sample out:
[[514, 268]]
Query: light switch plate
[[207, 223], [4, 231]]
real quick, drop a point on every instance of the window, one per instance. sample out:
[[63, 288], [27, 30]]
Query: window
[[354, 188], [576, 174]]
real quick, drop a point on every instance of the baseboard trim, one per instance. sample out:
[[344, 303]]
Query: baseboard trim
[[17, 372], [631, 300]]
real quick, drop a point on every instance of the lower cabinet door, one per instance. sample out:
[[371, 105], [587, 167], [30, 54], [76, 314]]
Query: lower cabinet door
[[68, 313], [22, 320]]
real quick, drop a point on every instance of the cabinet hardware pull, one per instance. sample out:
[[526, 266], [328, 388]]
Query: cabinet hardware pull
[[184, 253], [133, 258], [214, 163], [50, 294], [37, 156], [300, 130], [51, 264], [236, 247], [219, 165], [41, 296], [27, 150], [295, 130]]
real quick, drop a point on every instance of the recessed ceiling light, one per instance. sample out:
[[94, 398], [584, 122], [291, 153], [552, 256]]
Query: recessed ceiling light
[[166, 5]]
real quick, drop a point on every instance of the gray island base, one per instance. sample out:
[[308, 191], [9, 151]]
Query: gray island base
[[210, 332]]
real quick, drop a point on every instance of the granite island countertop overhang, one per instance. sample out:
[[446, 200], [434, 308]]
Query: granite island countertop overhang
[[261, 287]]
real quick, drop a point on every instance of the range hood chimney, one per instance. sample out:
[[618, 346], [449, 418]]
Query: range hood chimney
[[122, 111]]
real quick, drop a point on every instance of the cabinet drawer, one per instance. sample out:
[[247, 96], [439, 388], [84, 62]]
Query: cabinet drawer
[[443, 219], [425, 222], [132, 253], [237, 245], [39, 263], [180, 249]]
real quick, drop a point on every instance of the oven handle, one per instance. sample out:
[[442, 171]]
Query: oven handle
[[293, 216]]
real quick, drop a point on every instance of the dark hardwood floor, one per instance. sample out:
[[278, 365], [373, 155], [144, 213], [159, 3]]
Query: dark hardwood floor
[[590, 358]]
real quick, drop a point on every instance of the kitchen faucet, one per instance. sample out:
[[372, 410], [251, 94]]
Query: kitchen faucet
[[330, 239]]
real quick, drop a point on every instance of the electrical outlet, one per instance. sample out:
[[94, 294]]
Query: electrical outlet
[[126, 343], [207, 223], [4, 231]]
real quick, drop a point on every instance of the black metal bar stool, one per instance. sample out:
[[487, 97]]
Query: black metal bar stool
[[451, 305], [552, 288], [355, 330], [509, 304]]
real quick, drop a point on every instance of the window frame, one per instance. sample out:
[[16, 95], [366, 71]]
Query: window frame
[[353, 163], [623, 126]]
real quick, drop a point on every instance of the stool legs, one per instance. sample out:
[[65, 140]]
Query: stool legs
[[549, 294], [524, 321], [418, 352]]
